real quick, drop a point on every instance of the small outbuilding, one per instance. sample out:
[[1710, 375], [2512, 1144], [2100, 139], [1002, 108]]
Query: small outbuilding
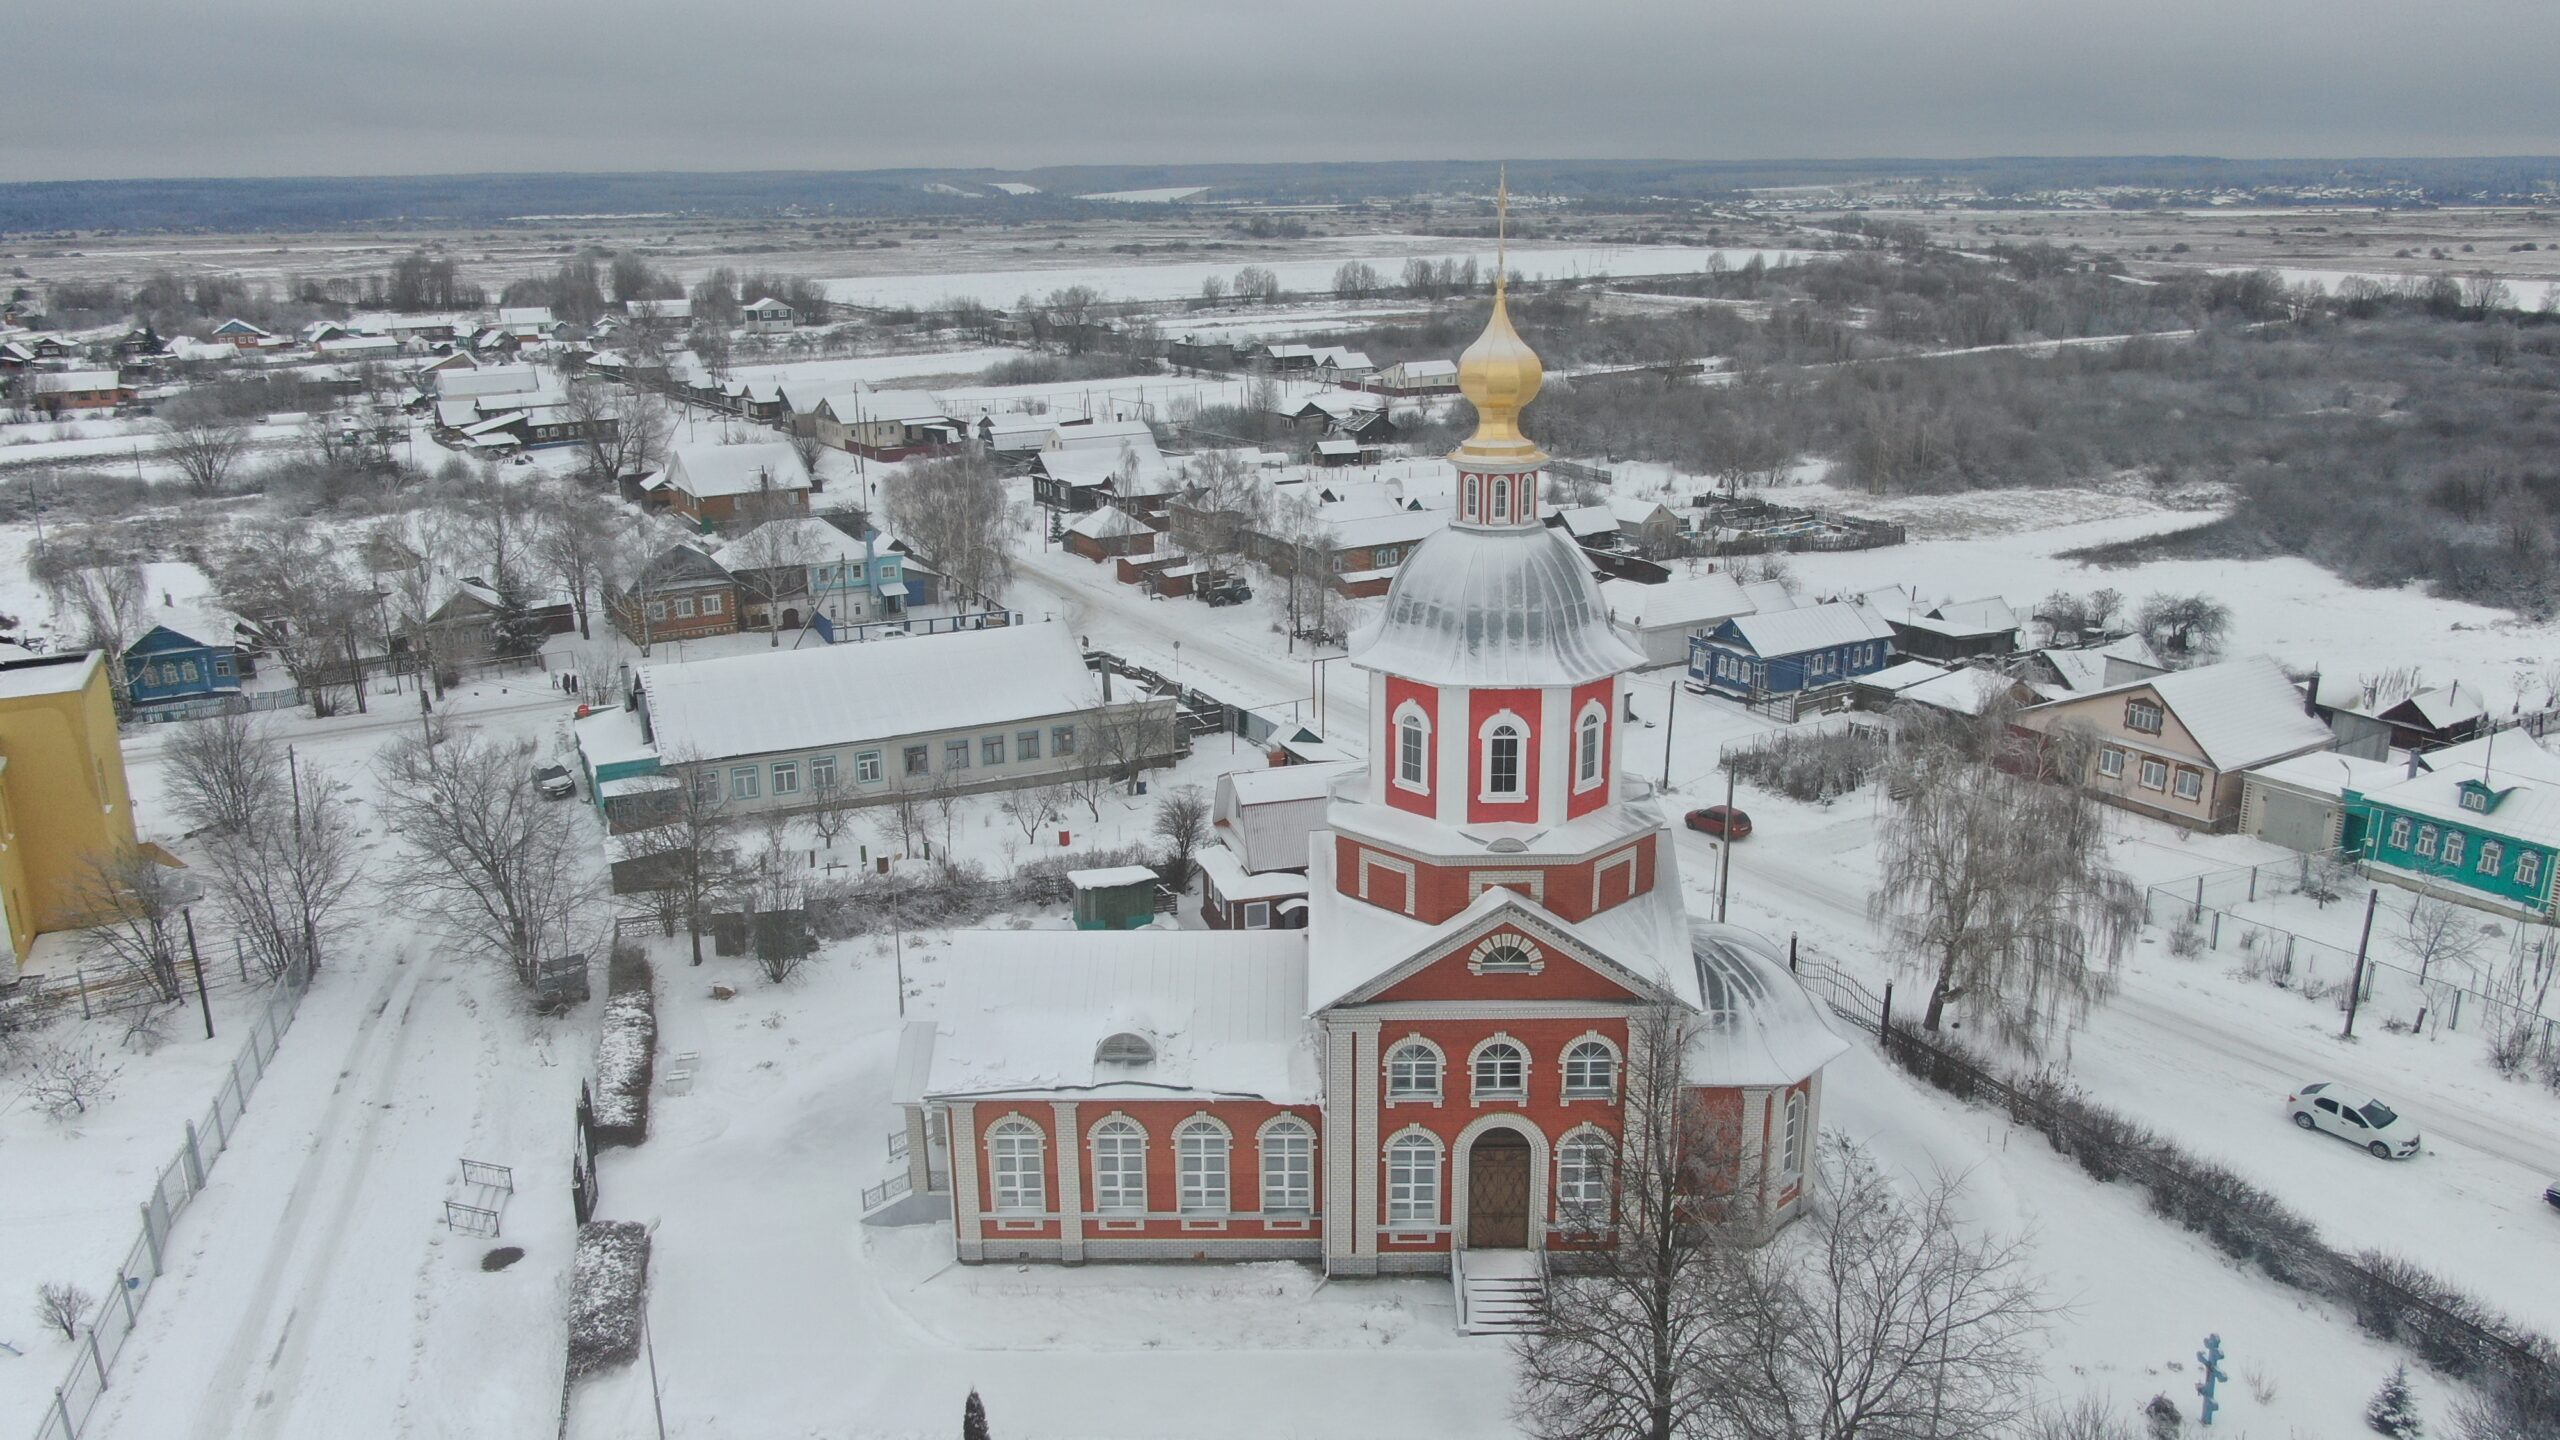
[[1119, 897]]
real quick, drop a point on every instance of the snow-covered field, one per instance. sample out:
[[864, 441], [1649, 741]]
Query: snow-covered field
[[1182, 281]]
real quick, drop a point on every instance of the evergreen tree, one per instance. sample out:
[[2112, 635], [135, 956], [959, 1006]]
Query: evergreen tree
[[2394, 1411], [973, 1419]]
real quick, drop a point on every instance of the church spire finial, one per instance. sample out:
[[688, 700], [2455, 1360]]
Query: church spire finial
[[1499, 373]]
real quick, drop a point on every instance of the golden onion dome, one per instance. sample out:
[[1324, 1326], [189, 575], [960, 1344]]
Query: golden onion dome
[[1500, 375]]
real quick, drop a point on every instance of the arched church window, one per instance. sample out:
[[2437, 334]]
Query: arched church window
[[1413, 748], [1588, 746], [1502, 779]]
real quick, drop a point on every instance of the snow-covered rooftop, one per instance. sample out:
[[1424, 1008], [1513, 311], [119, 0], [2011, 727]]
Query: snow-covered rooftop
[[2523, 778], [1109, 523], [1694, 601], [1023, 1012], [707, 470], [2241, 712], [815, 699], [1811, 627]]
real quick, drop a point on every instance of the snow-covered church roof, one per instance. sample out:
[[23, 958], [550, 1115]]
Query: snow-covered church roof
[[1495, 607]]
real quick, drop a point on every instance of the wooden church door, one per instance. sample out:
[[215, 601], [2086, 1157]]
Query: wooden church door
[[1498, 1191]]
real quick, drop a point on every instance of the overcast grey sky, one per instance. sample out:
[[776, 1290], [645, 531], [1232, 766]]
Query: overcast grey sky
[[126, 88]]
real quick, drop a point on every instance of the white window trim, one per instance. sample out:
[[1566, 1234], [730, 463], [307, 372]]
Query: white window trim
[[1194, 1124], [1262, 1134], [2149, 765], [1093, 1149], [1257, 915], [1017, 1125], [1484, 759], [1582, 723], [1477, 1096], [1608, 1148], [2111, 762], [2185, 776], [1564, 1069], [1438, 1095], [1395, 766], [1795, 1142], [1387, 1218], [1484, 949]]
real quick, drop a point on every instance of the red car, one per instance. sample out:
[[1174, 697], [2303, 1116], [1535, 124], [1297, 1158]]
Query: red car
[[1722, 821]]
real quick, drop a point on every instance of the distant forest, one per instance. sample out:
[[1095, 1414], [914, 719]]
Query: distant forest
[[334, 201], [2393, 434]]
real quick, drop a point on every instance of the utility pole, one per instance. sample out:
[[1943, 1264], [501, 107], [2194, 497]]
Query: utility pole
[[2355, 986], [188, 915], [293, 767], [1670, 712], [1724, 851]]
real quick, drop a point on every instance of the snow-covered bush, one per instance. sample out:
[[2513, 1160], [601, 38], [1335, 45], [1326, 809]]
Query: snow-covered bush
[[2163, 1418], [2185, 941], [608, 1289], [2394, 1409], [63, 1079], [1809, 764], [626, 1056]]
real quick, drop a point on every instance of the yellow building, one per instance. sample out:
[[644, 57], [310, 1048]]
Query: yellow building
[[62, 791]]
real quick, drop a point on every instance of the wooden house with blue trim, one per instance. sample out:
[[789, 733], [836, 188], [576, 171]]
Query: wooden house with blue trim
[[168, 665], [1790, 652]]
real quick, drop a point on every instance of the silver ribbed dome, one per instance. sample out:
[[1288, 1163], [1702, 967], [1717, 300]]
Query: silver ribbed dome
[[1494, 607]]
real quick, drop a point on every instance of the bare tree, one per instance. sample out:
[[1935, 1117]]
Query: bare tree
[[1223, 502], [2512, 1404], [2521, 986], [286, 880], [689, 857], [2184, 629], [1034, 806], [1633, 1343], [1886, 1316], [110, 605], [63, 1079], [1182, 820], [831, 805], [134, 908], [64, 1307], [204, 444], [1997, 888], [2436, 932], [621, 429], [227, 769], [954, 512], [295, 590], [901, 816], [772, 564], [501, 869], [574, 543]]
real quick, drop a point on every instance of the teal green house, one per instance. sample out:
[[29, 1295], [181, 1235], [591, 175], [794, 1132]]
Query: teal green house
[[2479, 820]]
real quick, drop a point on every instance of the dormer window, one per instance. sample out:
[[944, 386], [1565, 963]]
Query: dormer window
[[1125, 1048], [1506, 955]]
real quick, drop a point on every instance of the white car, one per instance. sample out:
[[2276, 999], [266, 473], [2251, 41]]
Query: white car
[[2354, 1115]]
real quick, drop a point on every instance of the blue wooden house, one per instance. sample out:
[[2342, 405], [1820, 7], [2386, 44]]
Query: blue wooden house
[[1788, 652], [168, 665]]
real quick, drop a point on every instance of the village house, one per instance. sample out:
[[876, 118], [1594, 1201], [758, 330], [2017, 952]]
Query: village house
[[1254, 874], [63, 797], [1660, 620], [168, 665], [57, 392], [2055, 672], [2177, 746], [1432, 1076], [766, 316], [683, 594], [1792, 652], [845, 578], [2478, 821], [241, 335], [1086, 464], [717, 485], [975, 710], [1415, 377], [1954, 633], [1108, 533], [2301, 803], [887, 424]]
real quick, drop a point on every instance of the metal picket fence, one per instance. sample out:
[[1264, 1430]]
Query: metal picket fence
[[103, 1339]]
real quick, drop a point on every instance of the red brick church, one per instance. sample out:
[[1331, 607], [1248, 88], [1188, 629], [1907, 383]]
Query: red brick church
[[1432, 1067]]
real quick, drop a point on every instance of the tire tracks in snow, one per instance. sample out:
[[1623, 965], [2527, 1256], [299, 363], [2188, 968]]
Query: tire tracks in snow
[[248, 1396]]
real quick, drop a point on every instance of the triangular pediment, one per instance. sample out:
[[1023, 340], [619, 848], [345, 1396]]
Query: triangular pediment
[[1479, 957]]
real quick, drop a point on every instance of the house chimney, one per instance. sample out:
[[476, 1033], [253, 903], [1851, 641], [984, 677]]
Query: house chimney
[[2311, 700]]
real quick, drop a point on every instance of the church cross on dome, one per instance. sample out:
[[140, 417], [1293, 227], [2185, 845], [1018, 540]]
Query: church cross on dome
[[1499, 374]]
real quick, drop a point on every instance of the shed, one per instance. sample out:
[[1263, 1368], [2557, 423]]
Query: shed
[[1120, 897]]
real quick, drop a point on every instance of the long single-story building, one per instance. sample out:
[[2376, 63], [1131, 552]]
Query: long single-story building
[[971, 710]]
